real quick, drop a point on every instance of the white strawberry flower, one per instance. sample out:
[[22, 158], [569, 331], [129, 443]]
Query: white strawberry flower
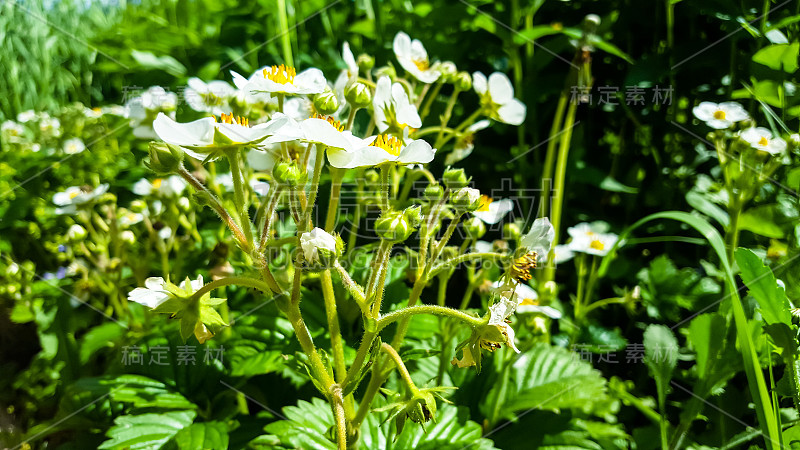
[[166, 187], [143, 109], [382, 149], [762, 139], [74, 196], [153, 294], [591, 238], [282, 80], [413, 57], [497, 98], [392, 108], [492, 211], [128, 218], [720, 116], [324, 130], [213, 97], [73, 146], [539, 238]]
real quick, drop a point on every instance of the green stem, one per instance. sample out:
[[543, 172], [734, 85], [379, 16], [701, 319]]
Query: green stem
[[239, 281], [337, 345], [384, 187], [436, 310], [454, 262], [401, 367], [234, 158], [312, 197], [286, 39], [333, 201], [550, 158], [216, 205]]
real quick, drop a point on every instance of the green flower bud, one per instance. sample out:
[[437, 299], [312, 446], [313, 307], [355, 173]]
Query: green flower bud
[[387, 71], [76, 233], [164, 158], [365, 62], [288, 173], [358, 95], [138, 206], [128, 237], [448, 70], [372, 176], [393, 226], [475, 228], [12, 270], [454, 178], [511, 231], [468, 199], [463, 81], [433, 192], [413, 215], [326, 103]]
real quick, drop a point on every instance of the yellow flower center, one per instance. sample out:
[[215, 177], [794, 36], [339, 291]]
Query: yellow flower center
[[336, 124], [529, 301], [485, 202], [719, 114], [597, 245], [280, 74], [422, 64], [73, 194], [131, 217], [522, 266], [763, 141], [230, 119], [389, 143], [157, 183]]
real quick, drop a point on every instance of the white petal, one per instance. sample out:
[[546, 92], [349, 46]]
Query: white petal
[[540, 237], [512, 113], [479, 83], [310, 81], [705, 111], [500, 88], [321, 131], [199, 133], [417, 152]]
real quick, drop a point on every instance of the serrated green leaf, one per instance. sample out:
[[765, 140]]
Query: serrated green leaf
[[203, 435], [763, 286], [779, 56], [146, 431]]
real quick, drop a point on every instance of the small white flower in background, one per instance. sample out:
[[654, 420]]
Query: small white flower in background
[[76, 232], [207, 136], [392, 108], [465, 143], [497, 98], [27, 116], [483, 247], [562, 253], [413, 57], [114, 110], [92, 113], [50, 126], [761, 139], [74, 196], [212, 97], [143, 109], [167, 187], [282, 80], [527, 300], [11, 130], [73, 146], [129, 218], [720, 116], [591, 238], [349, 61], [382, 149], [539, 238], [165, 233], [492, 211], [316, 243]]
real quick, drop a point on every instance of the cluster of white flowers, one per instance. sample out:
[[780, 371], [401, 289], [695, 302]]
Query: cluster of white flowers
[[725, 115], [142, 110], [590, 238]]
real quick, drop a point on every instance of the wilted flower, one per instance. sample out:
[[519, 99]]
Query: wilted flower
[[391, 107], [497, 98], [720, 116], [539, 238], [414, 59], [761, 139]]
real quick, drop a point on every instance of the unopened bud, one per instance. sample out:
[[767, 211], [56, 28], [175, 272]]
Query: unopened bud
[[463, 81], [393, 226], [288, 173], [511, 231], [475, 228], [76, 233], [448, 70], [138, 206], [454, 178], [184, 204], [365, 62], [358, 95], [326, 103], [164, 158], [466, 198], [127, 237], [433, 192]]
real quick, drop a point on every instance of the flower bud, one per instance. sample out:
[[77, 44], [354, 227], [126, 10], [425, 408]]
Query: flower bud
[[288, 173], [424, 407], [326, 103], [475, 228], [448, 70], [138, 206], [466, 198], [393, 226], [454, 178], [463, 81], [320, 249], [184, 204], [164, 158], [128, 237], [386, 71], [372, 176], [433, 192], [365, 62], [358, 95], [511, 231], [76, 233]]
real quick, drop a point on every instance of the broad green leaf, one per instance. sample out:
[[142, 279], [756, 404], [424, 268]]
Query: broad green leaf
[[146, 431], [706, 336], [762, 220], [661, 356], [763, 286], [779, 56], [139, 391], [202, 435]]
